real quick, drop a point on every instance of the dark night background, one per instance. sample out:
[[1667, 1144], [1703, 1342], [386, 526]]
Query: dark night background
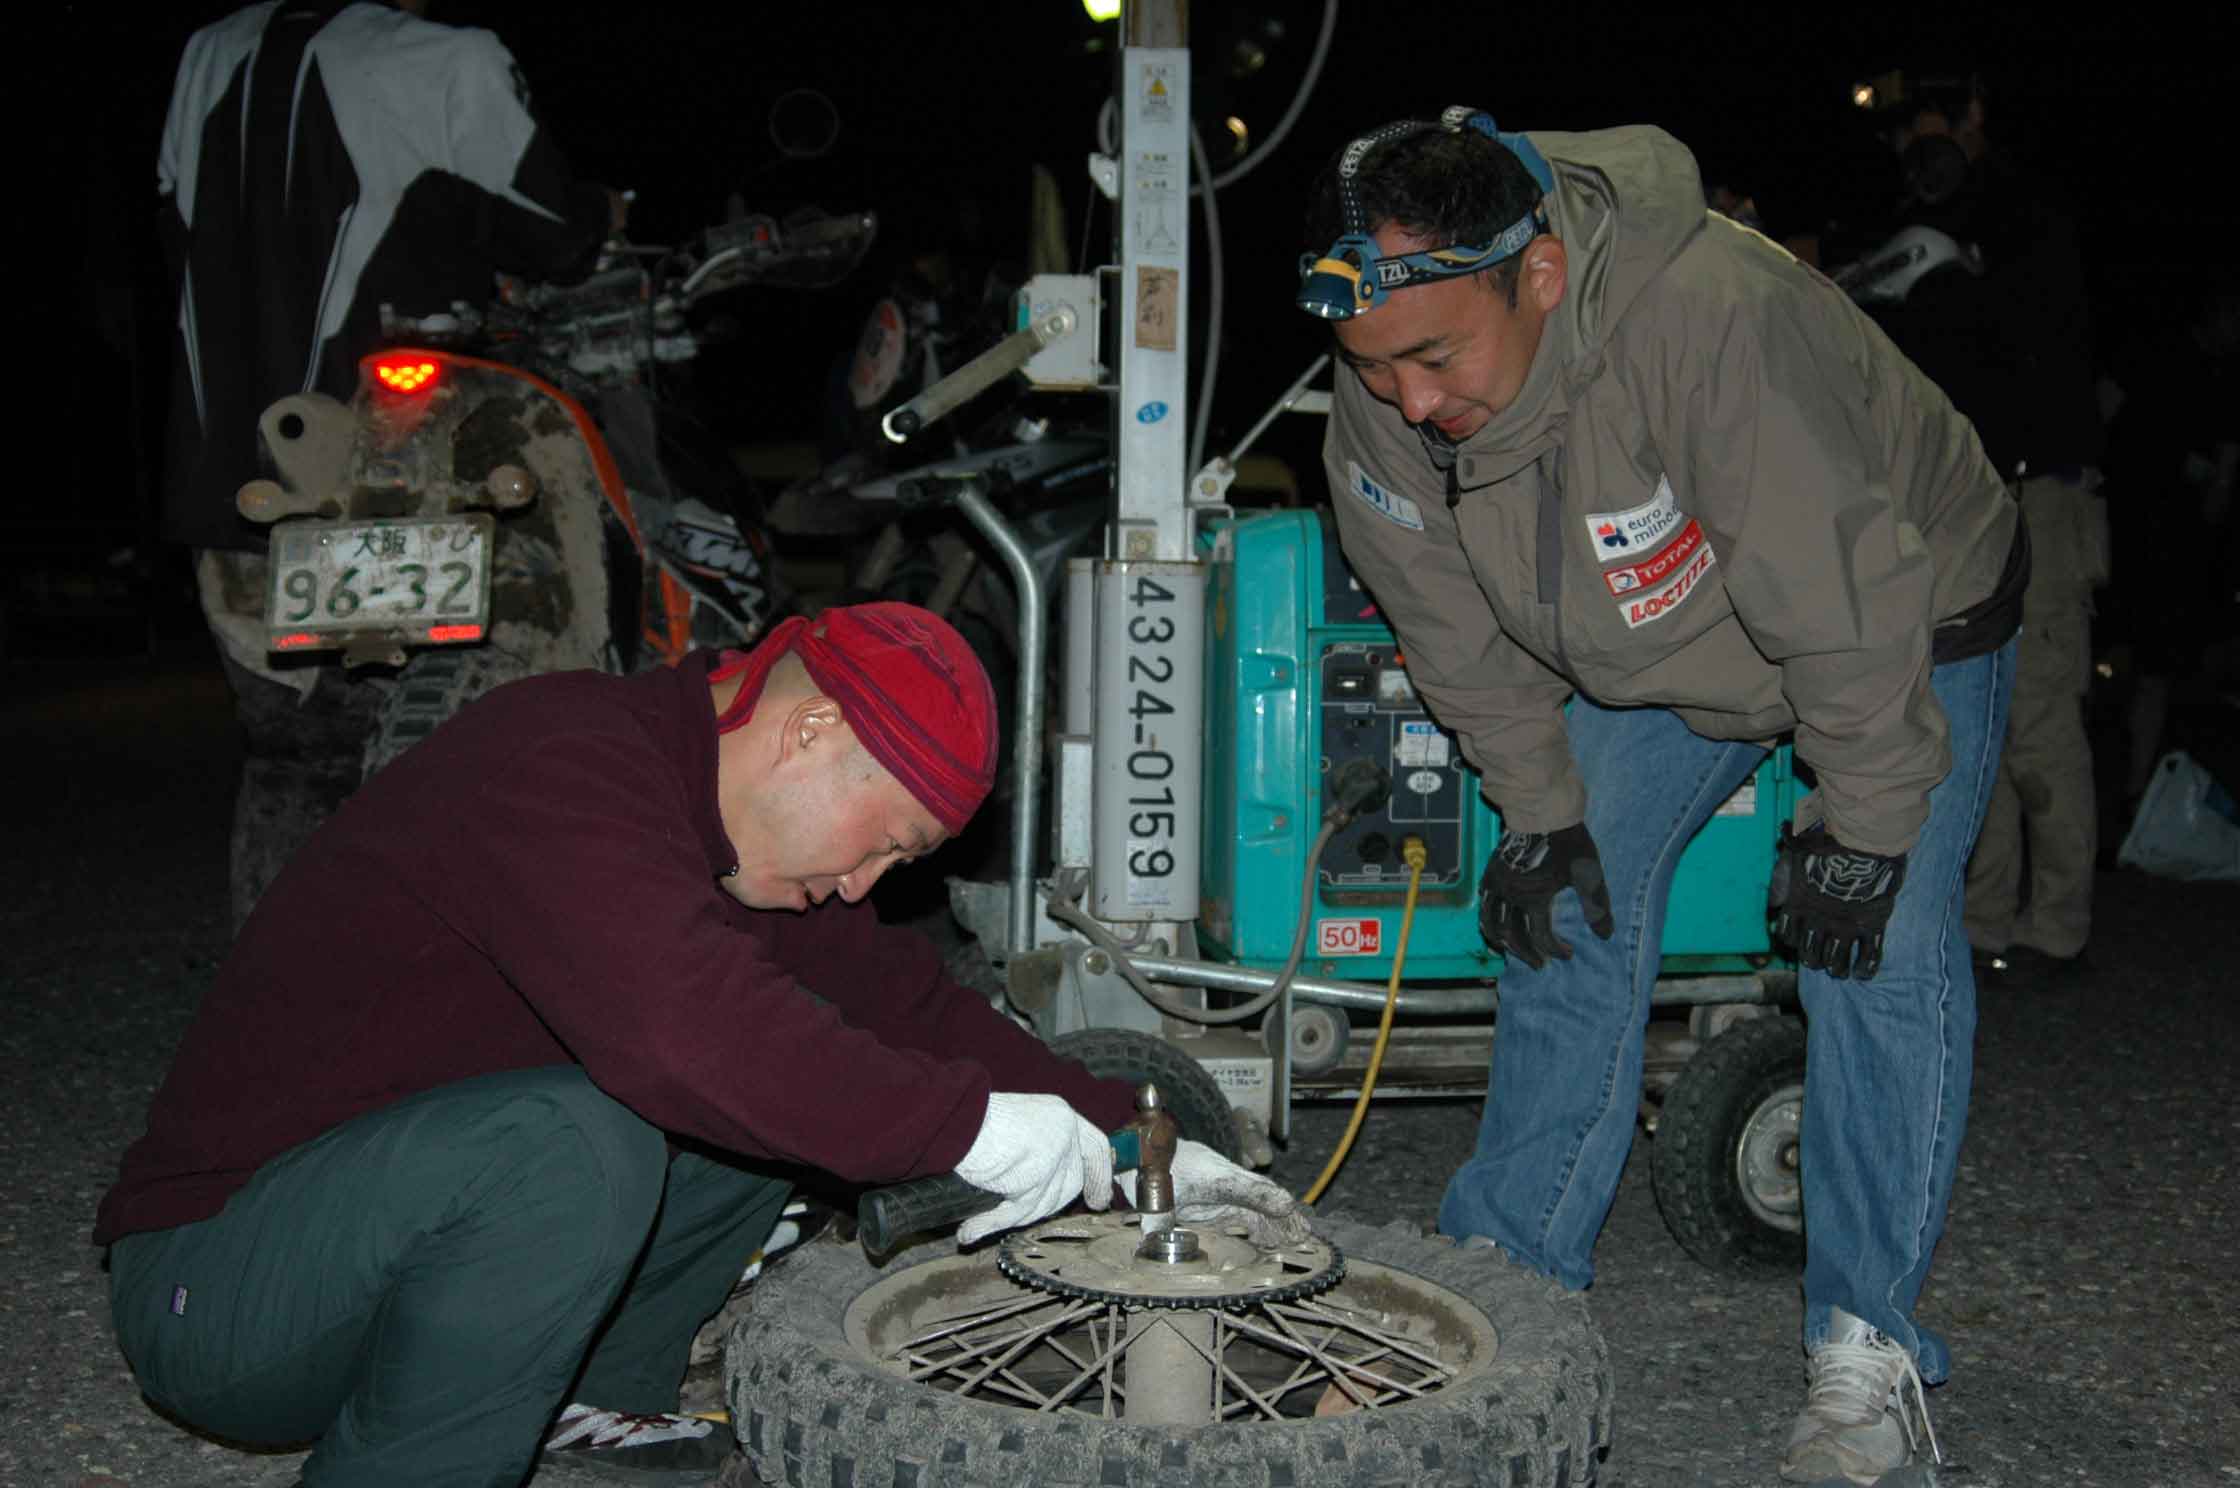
[[2087, 1278], [945, 107]]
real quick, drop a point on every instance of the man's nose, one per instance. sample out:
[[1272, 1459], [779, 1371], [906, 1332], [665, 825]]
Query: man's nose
[[1418, 395], [858, 881]]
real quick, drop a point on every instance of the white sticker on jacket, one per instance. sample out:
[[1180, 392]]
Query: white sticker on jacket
[[1643, 608], [1621, 534], [1390, 505], [1658, 566]]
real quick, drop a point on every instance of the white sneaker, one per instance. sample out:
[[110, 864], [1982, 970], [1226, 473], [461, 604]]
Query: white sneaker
[[659, 1448], [1857, 1423]]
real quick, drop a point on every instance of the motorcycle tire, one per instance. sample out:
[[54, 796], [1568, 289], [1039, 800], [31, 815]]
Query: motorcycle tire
[[1724, 1161], [810, 1407], [433, 686]]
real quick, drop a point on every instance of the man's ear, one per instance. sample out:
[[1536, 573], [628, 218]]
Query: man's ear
[[1547, 271], [810, 724]]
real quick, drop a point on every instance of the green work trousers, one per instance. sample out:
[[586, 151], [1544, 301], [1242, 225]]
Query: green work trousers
[[421, 1289], [2029, 883]]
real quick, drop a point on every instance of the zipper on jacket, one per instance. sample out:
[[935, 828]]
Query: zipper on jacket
[[1548, 552]]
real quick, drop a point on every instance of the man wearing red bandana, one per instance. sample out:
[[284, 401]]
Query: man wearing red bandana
[[508, 1073]]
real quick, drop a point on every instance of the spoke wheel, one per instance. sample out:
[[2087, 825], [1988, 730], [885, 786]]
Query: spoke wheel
[[1407, 1360]]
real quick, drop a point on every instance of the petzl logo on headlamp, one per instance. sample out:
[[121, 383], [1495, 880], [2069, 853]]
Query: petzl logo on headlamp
[[1391, 273]]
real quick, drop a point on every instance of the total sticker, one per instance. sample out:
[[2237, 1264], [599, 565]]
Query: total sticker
[[1349, 937], [1655, 569], [1420, 744], [1639, 612]]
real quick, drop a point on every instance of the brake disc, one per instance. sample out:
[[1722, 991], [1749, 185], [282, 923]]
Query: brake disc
[[1094, 1256]]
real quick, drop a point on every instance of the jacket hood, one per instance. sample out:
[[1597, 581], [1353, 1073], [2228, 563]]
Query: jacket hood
[[1626, 202]]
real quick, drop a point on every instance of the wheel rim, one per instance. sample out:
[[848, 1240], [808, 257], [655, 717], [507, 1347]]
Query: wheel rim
[[1767, 1160], [1378, 1340]]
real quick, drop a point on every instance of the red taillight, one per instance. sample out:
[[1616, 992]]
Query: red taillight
[[454, 632], [405, 374]]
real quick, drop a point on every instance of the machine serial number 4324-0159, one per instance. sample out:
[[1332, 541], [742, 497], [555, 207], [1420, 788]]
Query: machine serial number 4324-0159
[[1151, 820], [424, 580]]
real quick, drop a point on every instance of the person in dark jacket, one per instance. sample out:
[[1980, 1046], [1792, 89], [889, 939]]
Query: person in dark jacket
[[2018, 362], [319, 161], [509, 1073]]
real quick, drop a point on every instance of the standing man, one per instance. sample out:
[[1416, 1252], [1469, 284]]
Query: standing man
[[1640, 493], [507, 1076], [320, 160], [2029, 389]]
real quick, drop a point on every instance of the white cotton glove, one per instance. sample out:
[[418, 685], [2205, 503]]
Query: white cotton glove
[[1041, 1155], [1211, 1190]]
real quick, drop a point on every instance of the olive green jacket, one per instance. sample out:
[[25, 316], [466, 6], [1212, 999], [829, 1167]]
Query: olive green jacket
[[1721, 490]]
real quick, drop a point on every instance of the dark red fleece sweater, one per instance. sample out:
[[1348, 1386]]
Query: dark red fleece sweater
[[537, 884]]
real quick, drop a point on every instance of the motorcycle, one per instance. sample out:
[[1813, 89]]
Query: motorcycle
[[1046, 463], [497, 499]]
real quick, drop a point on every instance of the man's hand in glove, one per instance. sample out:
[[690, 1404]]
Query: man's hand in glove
[[1211, 1190], [1831, 903], [1040, 1155], [1517, 897]]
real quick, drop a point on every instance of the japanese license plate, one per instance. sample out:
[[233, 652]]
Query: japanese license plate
[[422, 580]]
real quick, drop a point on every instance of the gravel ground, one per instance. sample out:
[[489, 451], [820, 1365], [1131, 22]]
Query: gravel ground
[[2086, 1283]]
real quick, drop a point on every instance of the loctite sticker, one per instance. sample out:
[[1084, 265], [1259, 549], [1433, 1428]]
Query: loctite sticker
[[1641, 609]]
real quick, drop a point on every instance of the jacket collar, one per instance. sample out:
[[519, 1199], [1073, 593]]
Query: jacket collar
[[688, 706]]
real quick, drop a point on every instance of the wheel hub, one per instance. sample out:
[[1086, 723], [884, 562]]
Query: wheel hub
[[1100, 1257], [1766, 1167]]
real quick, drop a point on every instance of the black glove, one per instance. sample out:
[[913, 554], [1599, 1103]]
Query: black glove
[[1830, 903], [1517, 896]]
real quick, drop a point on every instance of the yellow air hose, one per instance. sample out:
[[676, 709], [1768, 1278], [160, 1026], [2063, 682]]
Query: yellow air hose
[[1415, 854]]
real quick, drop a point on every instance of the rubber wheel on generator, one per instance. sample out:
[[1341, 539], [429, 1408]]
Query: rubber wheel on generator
[[1724, 1161], [1191, 1095], [433, 686], [819, 1395]]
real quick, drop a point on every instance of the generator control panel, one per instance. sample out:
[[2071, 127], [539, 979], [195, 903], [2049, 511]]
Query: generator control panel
[[1370, 711]]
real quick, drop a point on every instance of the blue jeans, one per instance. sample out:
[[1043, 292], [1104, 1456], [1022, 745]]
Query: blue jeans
[[1888, 1061]]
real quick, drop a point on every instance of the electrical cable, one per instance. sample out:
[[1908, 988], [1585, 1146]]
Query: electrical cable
[[1315, 59], [1107, 141], [1068, 912], [1208, 185], [1417, 855]]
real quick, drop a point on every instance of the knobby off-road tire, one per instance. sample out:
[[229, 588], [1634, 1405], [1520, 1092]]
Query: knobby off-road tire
[[1191, 1095], [1723, 1161], [433, 686], [811, 1413]]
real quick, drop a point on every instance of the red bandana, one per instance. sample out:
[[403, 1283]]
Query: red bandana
[[906, 683]]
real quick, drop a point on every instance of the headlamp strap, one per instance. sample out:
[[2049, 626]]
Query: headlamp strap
[[1462, 116], [1349, 166]]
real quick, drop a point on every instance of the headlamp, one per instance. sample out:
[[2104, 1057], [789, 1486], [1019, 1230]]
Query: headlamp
[[1351, 277]]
